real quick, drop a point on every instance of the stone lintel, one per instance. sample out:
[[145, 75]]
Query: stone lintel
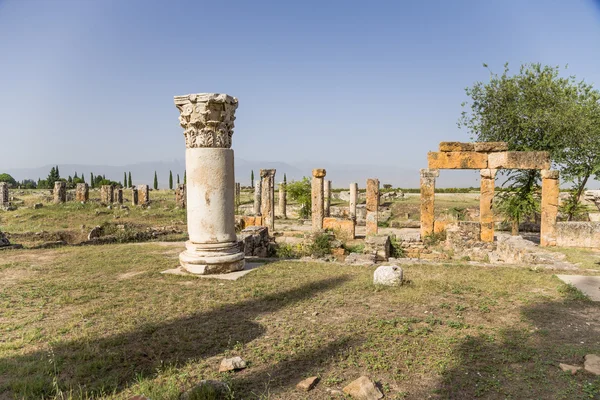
[[490, 147], [319, 173], [519, 160], [267, 172], [430, 173], [456, 146], [549, 174], [457, 160]]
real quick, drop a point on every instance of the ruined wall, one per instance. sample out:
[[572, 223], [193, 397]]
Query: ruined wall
[[578, 234]]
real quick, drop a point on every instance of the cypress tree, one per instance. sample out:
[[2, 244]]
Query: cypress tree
[[170, 180], [83, 177], [124, 179], [184, 177], [284, 180], [92, 180], [57, 173], [129, 180], [155, 181], [177, 179], [252, 179]]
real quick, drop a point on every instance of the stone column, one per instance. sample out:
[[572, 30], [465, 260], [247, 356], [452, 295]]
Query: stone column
[[180, 196], [317, 198], [550, 193], [327, 196], [118, 195], [486, 199], [60, 192], [82, 192], [428, 200], [353, 201], [238, 193], [282, 200], [372, 218], [267, 202], [257, 194], [207, 120], [107, 194], [143, 194], [3, 194], [134, 196]]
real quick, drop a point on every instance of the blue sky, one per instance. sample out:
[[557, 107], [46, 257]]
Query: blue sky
[[92, 81]]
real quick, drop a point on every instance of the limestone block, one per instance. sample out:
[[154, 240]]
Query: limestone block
[[372, 218], [143, 194], [344, 229], [578, 234], [134, 196], [267, 208], [490, 147], [180, 196], [381, 246], [118, 195], [457, 160], [486, 213], [592, 364], [107, 194], [256, 220], [388, 275], [363, 389], [427, 200], [519, 160], [308, 383], [82, 192], [549, 206], [456, 146], [255, 241], [232, 364], [317, 197], [3, 193], [60, 192]]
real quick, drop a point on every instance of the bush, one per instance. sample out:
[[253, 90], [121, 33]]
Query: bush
[[321, 245], [300, 191], [8, 179], [434, 238], [396, 251], [285, 250]]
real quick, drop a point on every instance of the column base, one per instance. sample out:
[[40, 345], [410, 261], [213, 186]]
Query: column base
[[217, 258]]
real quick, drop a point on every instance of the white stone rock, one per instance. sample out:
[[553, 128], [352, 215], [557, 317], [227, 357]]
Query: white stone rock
[[363, 389], [592, 364], [232, 364], [388, 275]]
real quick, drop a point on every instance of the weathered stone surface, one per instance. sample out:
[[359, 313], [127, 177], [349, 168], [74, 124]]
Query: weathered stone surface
[[569, 368], [578, 234], [60, 192], [490, 147], [82, 192], [257, 196], [592, 196], [353, 199], [252, 221], [207, 119], [317, 196], [486, 213], [519, 160], [592, 364], [267, 201], [4, 240], [238, 193], [282, 200], [180, 196], [360, 259], [363, 389], [232, 364], [550, 193], [388, 275], [308, 383], [427, 201], [327, 197], [95, 233], [143, 194], [456, 146], [344, 229], [372, 218], [4, 194], [378, 245], [255, 241], [107, 194], [457, 160], [118, 195], [134, 196]]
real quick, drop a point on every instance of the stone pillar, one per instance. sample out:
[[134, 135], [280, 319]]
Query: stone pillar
[[143, 194], [550, 193], [486, 199], [82, 192], [3, 194], [257, 194], [428, 200], [238, 193], [180, 196], [134, 196], [107, 195], [118, 195], [267, 202], [317, 195], [60, 192], [353, 201], [372, 217], [207, 120], [327, 196], [282, 200]]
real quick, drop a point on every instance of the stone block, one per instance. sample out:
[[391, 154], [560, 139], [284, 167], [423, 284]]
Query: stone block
[[82, 192], [388, 275], [3, 194], [519, 160], [60, 192], [372, 218], [255, 241], [107, 194], [252, 220], [457, 160], [549, 206], [143, 194], [363, 389], [344, 229], [180, 196], [490, 147], [381, 246], [447, 147], [440, 226], [578, 234]]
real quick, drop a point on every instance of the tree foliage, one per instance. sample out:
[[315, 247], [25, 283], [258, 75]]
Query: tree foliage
[[300, 191], [8, 179]]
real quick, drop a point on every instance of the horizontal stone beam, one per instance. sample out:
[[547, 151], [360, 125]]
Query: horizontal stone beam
[[519, 160], [457, 160], [456, 146], [482, 147]]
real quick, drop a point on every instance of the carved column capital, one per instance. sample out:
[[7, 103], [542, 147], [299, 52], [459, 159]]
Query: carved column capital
[[207, 119]]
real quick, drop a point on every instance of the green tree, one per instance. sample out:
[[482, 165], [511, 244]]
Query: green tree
[[300, 191], [252, 179], [284, 180], [8, 179], [177, 179], [129, 180], [184, 177], [170, 180], [53, 176], [124, 179], [537, 109], [155, 181]]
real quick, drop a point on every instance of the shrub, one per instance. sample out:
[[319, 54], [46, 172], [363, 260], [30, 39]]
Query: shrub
[[396, 251], [300, 191], [321, 245], [434, 238]]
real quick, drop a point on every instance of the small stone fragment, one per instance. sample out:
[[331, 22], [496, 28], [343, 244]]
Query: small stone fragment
[[571, 368], [592, 364], [308, 383], [232, 364], [388, 275], [363, 389]]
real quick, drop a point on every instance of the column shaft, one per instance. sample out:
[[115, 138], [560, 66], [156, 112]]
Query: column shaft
[[372, 218], [550, 194], [317, 198], [486, 199], [353, 200], [428, 200]]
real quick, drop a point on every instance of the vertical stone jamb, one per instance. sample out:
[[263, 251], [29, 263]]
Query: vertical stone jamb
[[282, 200], [4, 194], [143, 194], [327, 195], [428, 200], [60, 192], [238, 194], [372, 218], [486, 199], [353, 200], [134, 196], [257, 194], [118, 195], [180, 196], [207, 120], [82, 192], [317, 198], [106, 194], [267, 208], [550, 194]]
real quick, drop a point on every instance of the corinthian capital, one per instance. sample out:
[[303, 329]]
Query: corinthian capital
[[207, 119]]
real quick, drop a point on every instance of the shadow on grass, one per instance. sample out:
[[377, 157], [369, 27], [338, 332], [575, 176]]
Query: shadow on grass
[[110, 364], [523, 363]]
